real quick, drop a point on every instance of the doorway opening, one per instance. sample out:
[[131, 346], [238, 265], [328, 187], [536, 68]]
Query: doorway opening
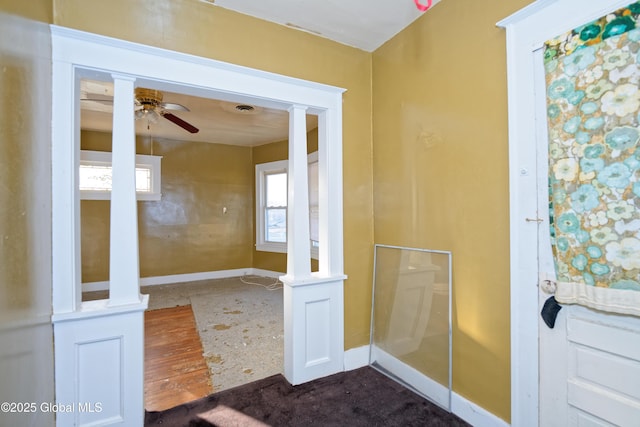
[[100, 341], [200, 223]]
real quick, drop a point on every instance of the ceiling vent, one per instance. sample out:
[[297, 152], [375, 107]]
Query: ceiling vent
[[244, 108]]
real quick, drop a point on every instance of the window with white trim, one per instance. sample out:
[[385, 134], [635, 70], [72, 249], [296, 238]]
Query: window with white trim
[[271, 205], [95, 176]]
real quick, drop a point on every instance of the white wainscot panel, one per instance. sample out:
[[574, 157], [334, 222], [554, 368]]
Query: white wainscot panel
[[100, 363], [318, 325], [315, 348], [99, 356]]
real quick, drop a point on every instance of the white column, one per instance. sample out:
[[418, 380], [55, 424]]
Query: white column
[[330, 192], [314, 310], [298, 244], [124, 272], [65, 212]]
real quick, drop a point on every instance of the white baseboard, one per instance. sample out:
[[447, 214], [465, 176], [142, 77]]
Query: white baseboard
[[189, 277], [460, 406], [474, 414], [355, 358], [265, 273], [433, 390]]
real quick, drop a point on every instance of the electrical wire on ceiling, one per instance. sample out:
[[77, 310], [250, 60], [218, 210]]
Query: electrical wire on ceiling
[[423, 7]]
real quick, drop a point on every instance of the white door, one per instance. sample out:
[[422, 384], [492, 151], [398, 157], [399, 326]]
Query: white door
[[590, 361]]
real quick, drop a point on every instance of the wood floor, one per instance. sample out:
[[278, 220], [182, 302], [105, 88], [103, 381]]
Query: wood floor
[[175, 371]]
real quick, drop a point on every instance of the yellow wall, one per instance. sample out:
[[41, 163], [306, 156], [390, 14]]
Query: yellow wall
[[199, 28], [441, 174], [186, 231], [37, 10]]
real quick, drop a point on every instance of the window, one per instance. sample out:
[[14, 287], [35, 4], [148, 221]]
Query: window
[[95, 176], [271, 205], [275, 207]]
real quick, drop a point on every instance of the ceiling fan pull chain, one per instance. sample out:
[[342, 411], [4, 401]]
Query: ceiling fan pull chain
[[423, 7]]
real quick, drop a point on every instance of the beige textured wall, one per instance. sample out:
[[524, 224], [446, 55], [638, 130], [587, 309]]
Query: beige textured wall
[[441, 174], [26, 352], [186, 231], [199, 28]]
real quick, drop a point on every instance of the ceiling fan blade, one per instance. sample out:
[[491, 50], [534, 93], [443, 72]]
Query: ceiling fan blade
[[174, 107], [184, 125]]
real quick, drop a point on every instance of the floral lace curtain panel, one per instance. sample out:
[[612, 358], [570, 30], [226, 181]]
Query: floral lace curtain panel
[[593, 113]]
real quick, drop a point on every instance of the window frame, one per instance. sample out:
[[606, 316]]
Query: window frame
[[104, 158], [262, 170]]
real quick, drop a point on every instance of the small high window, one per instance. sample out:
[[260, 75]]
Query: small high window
[[95, 176]]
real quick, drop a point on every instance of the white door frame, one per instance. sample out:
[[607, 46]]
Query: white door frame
[[526, 32], [101, 341]]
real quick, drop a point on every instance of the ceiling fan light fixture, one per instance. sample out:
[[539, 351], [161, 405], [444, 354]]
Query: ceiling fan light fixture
[[147, 113]]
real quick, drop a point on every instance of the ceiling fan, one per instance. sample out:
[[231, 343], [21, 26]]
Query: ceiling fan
[[149, 106]]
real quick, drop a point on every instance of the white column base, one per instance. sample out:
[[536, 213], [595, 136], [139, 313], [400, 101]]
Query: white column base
[[313, 328], [99, 365]]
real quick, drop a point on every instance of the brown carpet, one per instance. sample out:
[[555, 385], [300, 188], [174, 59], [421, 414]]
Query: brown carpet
[[362, 397]]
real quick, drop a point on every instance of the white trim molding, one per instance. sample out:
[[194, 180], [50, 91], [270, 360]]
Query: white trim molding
[[355, 358], [474, 414], [526, 31]]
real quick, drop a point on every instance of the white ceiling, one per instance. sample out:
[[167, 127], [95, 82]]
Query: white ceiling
[[364, 24]]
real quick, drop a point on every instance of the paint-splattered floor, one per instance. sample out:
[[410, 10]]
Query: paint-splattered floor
[[240, 322]]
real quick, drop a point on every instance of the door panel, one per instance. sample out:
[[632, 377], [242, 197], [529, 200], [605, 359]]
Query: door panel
[[603, 366]]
